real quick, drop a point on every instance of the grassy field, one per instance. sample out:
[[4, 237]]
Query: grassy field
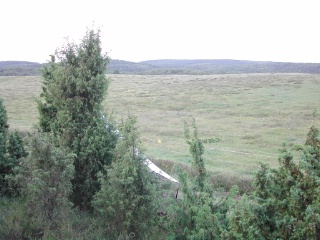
[[253, 114]]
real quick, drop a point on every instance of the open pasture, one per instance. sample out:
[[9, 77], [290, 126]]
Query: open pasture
[[252, 114]]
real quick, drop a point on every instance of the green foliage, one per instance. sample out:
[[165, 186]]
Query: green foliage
[[14, 222], [242, 219], [94, 150], [196, 149], [15, 152], [3, 130], [197, 215], [45, 177], [127, 201], [15, 147], [193, 217], [11, 150], [70, 107], [286, 203], [47, 109], [3, 144]]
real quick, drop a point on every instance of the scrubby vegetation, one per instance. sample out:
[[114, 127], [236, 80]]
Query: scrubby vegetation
[[127, 201], [11, 151], [76, 177]]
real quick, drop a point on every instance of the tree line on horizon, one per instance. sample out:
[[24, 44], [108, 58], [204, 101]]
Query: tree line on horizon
[[174, 67], [75, 177]]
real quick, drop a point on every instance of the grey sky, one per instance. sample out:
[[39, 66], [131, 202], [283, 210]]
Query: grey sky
[[165, 29]]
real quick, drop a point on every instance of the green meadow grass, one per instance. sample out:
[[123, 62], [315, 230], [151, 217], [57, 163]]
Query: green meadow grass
[[19, 94], [252, 114]]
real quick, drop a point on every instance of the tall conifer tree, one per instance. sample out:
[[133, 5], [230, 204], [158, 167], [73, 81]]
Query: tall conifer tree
[[70, 107]]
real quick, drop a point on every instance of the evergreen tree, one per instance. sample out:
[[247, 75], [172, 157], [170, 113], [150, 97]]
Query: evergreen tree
[[70, 107], [126, 201], [3, 144], [197, 215], [193, 217], [15, 148], [286, 203], [243, 220], [47, 110], [3, 130], [11, 151], [15, 152], [45, 177], [196, 149]]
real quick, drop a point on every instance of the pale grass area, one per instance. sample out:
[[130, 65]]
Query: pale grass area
[[19, 94], [253, 114]]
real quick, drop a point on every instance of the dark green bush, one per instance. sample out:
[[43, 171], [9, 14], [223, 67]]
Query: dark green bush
[[286, 201], [127, 203], [45, 180]]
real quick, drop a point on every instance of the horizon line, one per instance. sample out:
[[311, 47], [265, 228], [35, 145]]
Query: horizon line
[[181, 59]]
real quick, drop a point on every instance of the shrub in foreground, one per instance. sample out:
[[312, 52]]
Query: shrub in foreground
[[45, 180], [127, 202], [286, 202]]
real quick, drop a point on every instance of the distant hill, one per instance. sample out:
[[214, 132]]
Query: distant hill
[[19, 68], [120, 66], [216, 66], [173, 66]]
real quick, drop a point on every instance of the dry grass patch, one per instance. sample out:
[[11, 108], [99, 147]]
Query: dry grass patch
[[252, 114], [19, 94]]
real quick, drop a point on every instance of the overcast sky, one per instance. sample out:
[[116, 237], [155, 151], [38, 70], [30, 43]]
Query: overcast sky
[[137, 30]]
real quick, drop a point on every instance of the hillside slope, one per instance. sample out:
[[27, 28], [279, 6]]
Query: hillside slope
[[175, 66], [19, 68]]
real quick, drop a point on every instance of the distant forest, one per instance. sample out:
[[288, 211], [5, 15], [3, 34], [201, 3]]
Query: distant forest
[[19, 68], [171, 66]]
